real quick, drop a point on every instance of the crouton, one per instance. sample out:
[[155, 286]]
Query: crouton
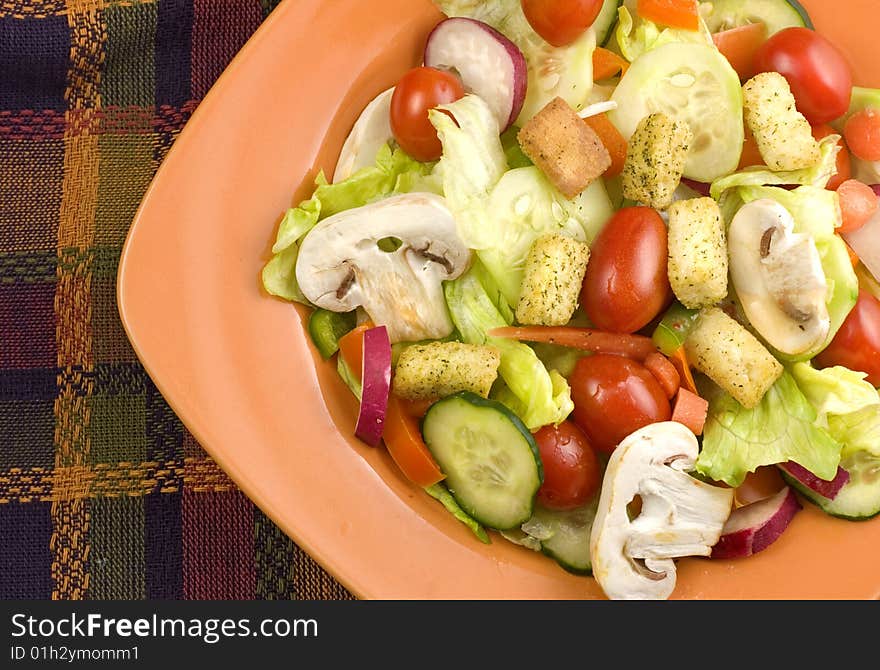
[[440, 369], [697, 252], [655, 160], [565, 148], [554, 272], [784, 136], [727, 353]]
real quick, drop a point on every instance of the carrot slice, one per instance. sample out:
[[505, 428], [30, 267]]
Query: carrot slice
[[664, 372], [862, 133], [406, 446], [637, 347], [607, 64], [612, 139], [416, 408], [351, 348], [751, 154], [680, 361], [858, 203], [673, 13], [739, 45], [690, 410]]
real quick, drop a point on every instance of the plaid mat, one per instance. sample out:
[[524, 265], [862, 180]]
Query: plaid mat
[[103, 493]]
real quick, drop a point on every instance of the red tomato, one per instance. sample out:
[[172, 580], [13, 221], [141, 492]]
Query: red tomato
[[571, 467], [561, 22], [418, 91], [857, 344], [614, 397], [819, 76], [626, 285]]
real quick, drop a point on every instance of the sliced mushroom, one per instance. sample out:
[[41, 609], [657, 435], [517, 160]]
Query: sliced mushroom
[[370, 132], [680, 516], [389, 257], [778, 278]]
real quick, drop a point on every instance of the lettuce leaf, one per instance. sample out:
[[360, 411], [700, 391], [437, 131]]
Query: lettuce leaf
[[394, 172], [537, 396], [781, 428], [817, 175], [441, 493], [859, 431], [500, 212], [835, 390], [636, 35]]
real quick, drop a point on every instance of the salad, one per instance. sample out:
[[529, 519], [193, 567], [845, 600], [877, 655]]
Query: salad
[[593, 263]]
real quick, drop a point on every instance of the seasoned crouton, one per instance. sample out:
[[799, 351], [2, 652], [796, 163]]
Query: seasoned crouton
[[440, 369], [551, 285], [565, 148], [784, 136], [697, 252], [722, 349], [655, 160]]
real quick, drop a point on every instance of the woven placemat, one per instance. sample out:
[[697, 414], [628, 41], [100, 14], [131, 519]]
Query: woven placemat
[[103, 493]]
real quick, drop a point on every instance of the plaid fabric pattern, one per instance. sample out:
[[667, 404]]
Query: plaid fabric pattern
[[103, 493]]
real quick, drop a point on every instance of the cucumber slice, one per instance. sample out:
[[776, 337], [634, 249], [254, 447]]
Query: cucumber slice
[[693, 83], [606, 21], [565, 535], [859, 499], [775, 14], [491, 461]]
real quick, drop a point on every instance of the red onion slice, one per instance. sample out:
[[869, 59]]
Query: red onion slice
[[376, 378], [827, 489]]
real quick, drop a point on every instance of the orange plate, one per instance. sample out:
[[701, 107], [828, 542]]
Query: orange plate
[[237, 366]]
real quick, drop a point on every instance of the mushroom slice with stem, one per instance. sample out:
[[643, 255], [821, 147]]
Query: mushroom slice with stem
[[680, 515], [389, 257], [778, 277]]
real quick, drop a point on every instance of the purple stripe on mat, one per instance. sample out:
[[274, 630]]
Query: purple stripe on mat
[[34, 57], [163, 549], [173, 45], [25, 561], [218, 545]]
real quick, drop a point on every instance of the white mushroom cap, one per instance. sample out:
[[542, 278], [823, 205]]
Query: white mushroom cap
[[341, 265], [371, 130], [778, 278], [680, 516]]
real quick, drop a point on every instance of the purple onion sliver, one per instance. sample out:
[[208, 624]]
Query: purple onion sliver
[[376, 376], [698, 186], [876, 189], [825, 488]]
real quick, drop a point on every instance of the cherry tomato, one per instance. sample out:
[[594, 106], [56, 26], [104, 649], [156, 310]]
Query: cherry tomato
[[819, 76], [613, 397], [626, 285], [571, 467], [561, 22], [418, 91], [857, 344]]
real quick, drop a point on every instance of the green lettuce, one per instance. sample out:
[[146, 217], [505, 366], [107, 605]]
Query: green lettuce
[[500, 212], [858, 431], [835, 390], [394, 172], [441, 493], [537, 396], [636, 36], [780, 429], [816, 175]]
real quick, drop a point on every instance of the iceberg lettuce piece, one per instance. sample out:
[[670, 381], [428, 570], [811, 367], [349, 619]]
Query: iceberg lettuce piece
[[835, 390], [439, 492], [636, 35], [394, 172], [782, 428], [500, 212], [817, 175], [537, 396]]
